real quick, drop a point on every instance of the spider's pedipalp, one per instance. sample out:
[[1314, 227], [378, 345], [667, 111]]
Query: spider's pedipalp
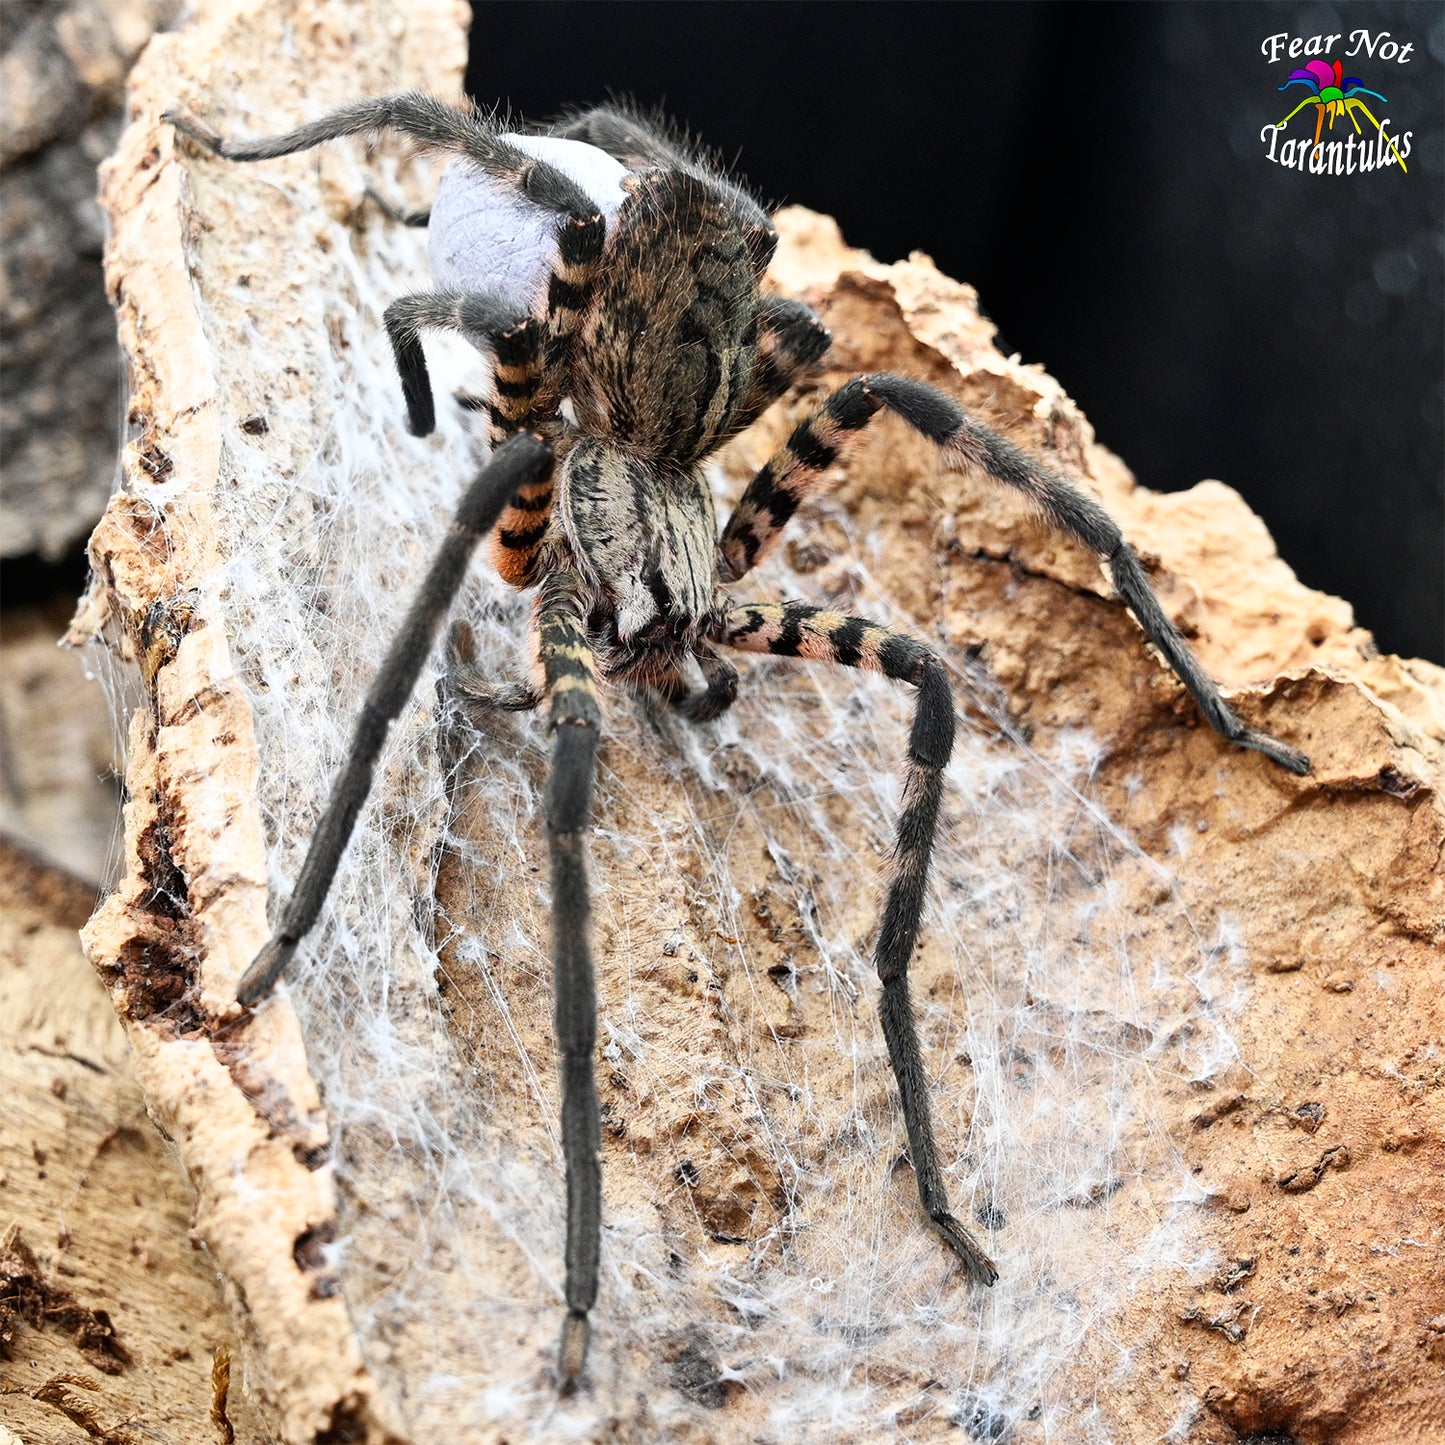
[[791, 341], [717, 696]]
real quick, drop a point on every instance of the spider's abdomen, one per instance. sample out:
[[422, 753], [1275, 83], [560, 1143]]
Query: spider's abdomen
[[668, 347], [484, 236]]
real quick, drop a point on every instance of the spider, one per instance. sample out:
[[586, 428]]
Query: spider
[[611, 273]]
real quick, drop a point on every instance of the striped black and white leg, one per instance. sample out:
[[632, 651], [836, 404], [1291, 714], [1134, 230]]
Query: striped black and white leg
[[794, 629], [797, 471], [519, 397], [581, 231], [515, 342]]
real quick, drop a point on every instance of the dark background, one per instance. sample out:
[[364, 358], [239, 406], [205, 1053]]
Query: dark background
[[1096, 171]]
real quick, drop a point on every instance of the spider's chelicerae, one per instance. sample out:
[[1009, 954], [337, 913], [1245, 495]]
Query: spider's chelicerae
[[612, 277]]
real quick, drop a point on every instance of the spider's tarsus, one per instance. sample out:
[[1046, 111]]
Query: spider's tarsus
[[573, 1353], [189, 125], [1276, 751], [265, 969], [980, 1268], [394, 212]]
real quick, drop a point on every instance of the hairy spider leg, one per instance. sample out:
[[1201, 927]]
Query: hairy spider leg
[[515, 341], [530, 353], [570, 683], [471, 690], [798, 470], [1390, 140], [393, 212], [425, 119], [795, 629], [791, 341], [1319, 119], [581, 228], [639, 142], [518, 399], [793, 474], [524, 459], [515, 548]]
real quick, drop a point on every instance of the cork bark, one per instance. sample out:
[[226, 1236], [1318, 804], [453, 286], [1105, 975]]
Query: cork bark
[[112, 1322], [1320, 1151]]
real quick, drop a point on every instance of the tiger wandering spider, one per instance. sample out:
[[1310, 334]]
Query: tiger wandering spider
[[629, 342]]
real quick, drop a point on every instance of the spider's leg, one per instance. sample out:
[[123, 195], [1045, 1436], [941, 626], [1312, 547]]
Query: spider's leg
[[1389, 139], [625, 136], [1308, 100], [432, 123], [477, 695], [515, 548], [515, 342], [796, 471], [794, 629], [465, 131], [792, 339], [571, 689], [639, 143], [395, 213], [521, 461], [519, 397]]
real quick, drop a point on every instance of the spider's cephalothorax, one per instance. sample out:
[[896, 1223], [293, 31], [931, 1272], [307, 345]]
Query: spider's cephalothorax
[[607, 270]]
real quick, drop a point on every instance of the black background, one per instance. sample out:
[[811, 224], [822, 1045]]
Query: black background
[[1096, 171]]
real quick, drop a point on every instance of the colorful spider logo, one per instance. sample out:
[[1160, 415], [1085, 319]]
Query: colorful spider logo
[[1334, 95]]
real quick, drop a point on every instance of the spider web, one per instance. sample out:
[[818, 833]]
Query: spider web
[[765, 1263]]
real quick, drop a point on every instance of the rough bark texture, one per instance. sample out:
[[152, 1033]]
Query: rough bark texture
[[1322, 1148], [112, 1323]]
